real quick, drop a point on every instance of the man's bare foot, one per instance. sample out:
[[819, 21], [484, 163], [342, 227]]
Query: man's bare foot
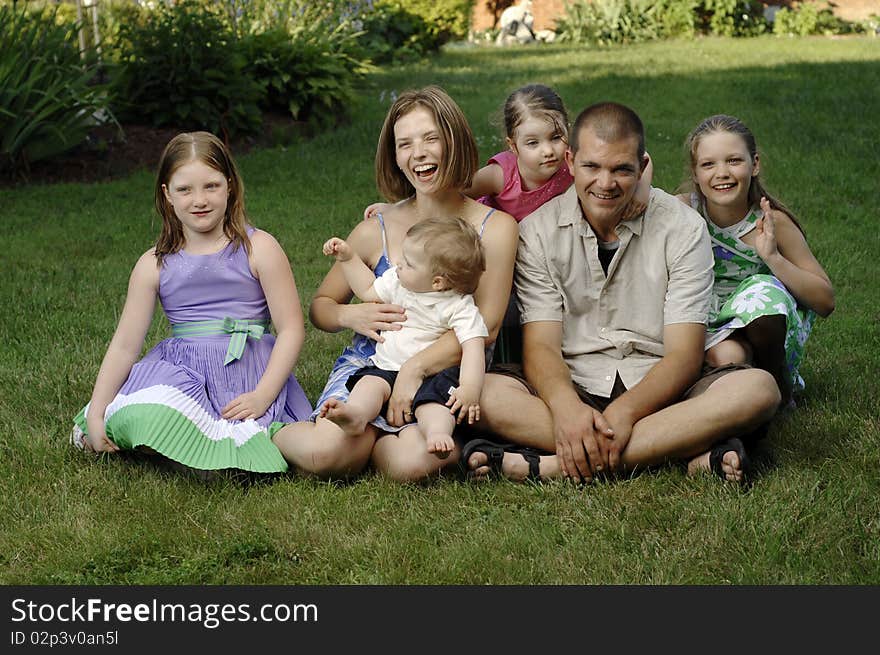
[[440, 444], [343, 415], [730, 465]]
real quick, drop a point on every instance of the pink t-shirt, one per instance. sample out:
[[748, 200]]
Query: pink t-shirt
[[515, 200]]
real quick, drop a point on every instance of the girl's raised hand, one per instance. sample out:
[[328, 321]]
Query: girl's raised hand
[[370, 318], [247, 405], [338, 248], [765, 239]]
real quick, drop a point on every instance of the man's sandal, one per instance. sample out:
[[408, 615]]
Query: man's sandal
[[716, 456], [495, 454]]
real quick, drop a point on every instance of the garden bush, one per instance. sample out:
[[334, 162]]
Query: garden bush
[[447, 19], [49, 98], [184, 67], [392, 33], [300, 75], [731, 17], [610, 21], [631, 21], [220, 66], [400, 30], [807, 18]]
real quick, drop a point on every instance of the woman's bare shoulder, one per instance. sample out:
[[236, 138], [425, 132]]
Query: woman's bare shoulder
[[492, 223]]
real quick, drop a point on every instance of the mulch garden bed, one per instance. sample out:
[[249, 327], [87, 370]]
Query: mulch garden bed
[[111, 153]]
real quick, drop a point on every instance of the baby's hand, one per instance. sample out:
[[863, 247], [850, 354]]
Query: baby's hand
[[376, 208], [337, 248], [247, 405], [465, 402]]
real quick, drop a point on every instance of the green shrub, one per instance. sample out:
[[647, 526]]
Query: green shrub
[[113, 15], [629, 21], [299, 74], [807, 18], [184, 67], [399, 30], [677, 17], [446, 19], [731, 17], [48, 99], [610, 21], [393, 33]]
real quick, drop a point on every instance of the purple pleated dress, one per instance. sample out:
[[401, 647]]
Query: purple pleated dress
[[172, 399]]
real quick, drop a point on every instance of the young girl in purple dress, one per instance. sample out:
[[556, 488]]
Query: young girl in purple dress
[[212, 395]]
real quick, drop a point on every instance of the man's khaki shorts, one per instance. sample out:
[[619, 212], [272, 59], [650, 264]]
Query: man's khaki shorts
[[708, 376]]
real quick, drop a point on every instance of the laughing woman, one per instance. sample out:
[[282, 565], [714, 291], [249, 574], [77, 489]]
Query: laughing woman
[[426, 157]]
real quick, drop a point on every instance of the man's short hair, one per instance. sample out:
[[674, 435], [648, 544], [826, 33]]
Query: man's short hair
[[611, 122], [453, 249]]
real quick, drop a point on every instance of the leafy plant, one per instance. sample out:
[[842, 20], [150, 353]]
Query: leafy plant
[[732, 17], [446, 19], [807, 18], [631, 21], [677, 17], [184, 67], [299, 74], [610, 21], [48, 97], [393, 33]]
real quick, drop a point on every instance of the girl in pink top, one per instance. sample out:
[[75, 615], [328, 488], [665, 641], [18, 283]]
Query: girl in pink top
[[533, 170]]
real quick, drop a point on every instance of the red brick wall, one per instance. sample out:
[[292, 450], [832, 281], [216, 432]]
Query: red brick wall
[[546, 11], [856, 9]]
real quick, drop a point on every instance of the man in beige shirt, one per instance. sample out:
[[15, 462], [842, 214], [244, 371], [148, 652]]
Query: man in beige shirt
[[614, 317]]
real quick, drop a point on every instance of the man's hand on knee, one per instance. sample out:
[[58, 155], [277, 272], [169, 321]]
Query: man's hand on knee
[[621, 424], [578, 436]]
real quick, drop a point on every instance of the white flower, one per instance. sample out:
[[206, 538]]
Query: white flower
[[750, 300]]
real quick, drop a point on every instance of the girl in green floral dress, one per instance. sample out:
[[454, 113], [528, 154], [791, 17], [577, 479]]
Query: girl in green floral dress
[[768, 285]]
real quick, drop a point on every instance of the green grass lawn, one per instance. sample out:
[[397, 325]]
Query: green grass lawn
[[812, 518]]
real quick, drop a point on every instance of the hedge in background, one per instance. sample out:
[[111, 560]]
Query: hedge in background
[[219, 66], [400, 30], [49, 100], [807, 18], [630, 21], [184, 67]]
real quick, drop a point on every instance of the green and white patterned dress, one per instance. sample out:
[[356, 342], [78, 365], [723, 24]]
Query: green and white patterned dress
[[745, 289]]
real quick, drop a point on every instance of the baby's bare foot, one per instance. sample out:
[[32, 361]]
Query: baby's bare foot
[[440, 444], [340, 413]]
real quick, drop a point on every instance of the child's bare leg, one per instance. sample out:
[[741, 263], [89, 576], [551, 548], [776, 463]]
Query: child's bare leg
[[404, 457], [437, 424], [364, 404], [767, 338], [730, 351]]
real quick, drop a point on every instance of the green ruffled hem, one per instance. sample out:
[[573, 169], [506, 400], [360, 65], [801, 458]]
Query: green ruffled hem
[[170, 433]]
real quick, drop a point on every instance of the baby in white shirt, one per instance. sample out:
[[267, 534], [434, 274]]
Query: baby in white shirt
[[442, 263]]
